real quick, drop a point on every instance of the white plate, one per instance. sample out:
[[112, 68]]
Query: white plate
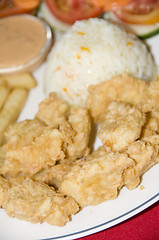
[[91, 219]]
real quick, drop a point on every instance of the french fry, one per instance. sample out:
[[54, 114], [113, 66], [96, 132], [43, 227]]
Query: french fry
[[4, 90], [11, 109], [24, 80]]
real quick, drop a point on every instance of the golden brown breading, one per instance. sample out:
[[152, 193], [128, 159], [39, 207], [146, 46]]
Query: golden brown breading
[[97, 179], [80, 121], [122, 126], [145, 155], [4, 186], [2, 157], [53, 149], [24, 132], [68, 133], [31, 147], [99, 152], [52, 110], [146, 131], [155, 123], [37, 202], [153, 139], [54, 175], [75, 127], [150, 98], [151, 125], [120, 88]]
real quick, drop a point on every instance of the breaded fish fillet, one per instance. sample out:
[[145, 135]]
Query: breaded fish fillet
[[120, 88], [52, 111], [80, 121], [31, 147], [122, 126], [145, 154], [96, 179], [36, 202], [150, 99], [54, 175]]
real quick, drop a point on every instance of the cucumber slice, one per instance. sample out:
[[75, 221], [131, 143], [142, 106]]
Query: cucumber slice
[[154, 31], [142, 31]]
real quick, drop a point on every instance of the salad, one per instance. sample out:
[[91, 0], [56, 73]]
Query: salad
[[138, 16]]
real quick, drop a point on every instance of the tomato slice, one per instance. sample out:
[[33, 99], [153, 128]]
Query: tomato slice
[[29, 4], [69, 11], [108, 5], [139, 12], [9, 7], [149, 18]]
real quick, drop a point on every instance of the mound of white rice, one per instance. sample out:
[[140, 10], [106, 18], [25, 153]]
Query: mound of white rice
[[92, 51]]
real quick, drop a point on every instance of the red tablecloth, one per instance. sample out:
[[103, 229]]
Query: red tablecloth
[[143, 226]]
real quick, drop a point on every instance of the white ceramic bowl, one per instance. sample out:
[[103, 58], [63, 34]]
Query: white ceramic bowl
[[35, 61]]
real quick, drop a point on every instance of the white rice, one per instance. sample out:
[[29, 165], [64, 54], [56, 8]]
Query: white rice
[[92, 51]]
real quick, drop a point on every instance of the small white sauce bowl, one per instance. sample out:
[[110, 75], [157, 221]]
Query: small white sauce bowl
[[35, 61]]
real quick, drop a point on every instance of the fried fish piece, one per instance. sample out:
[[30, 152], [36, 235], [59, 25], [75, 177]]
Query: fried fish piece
[[150, 98], [2, 157], [153, 139], [74, 125], [151, 127], [37, 202], [54, 175], [68, 133], [4, 186], [145, 154], [122, 126], [24, 132], [52, 110], [80, 121], [96, 179], [31, 146], [154, 121], [123, 88]]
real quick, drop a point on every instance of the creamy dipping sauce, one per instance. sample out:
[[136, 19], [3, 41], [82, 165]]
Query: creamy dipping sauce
[[21, 39]]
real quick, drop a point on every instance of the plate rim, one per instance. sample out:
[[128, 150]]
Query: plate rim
[[103, 226]]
